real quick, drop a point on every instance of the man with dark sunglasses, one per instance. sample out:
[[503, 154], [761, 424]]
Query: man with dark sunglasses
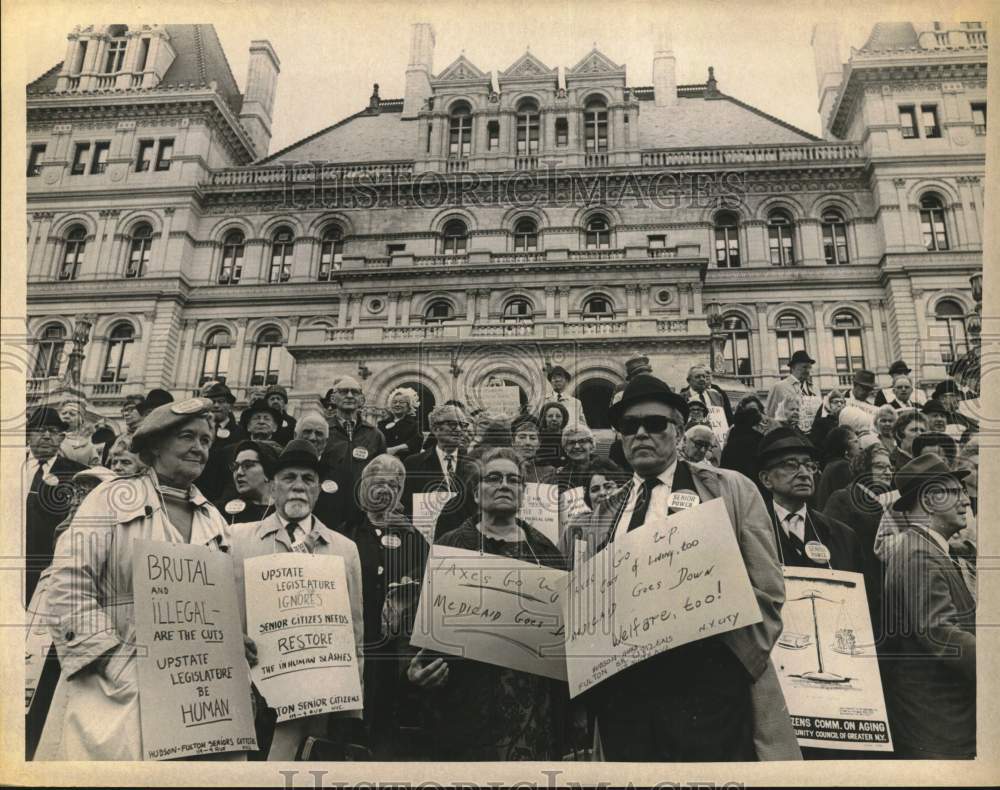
[[715, 699]]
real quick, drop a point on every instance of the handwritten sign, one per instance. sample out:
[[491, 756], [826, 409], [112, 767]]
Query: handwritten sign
[[676, 579], [571, 504], [194, 687], [810, 405], [717, 419], [493, 609], [826, 662], [426, 509], [299, 615], [540, 508], [503, 400]]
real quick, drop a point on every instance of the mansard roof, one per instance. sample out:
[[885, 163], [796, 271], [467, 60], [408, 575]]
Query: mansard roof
[[698, 119], [890, 36], [200, 61]]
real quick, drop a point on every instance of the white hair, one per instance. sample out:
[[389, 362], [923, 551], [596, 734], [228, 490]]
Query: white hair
[[858, 420], [575, 428], [311, 418], [409, 393]]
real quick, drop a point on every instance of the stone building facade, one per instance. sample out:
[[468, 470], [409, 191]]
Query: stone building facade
[[489, 224]]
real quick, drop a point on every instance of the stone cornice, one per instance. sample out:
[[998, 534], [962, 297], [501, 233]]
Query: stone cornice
[[799, 275]]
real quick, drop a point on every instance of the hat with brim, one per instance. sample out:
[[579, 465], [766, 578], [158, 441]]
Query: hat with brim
[[636, 364], [645, 388], [277, 389], [558, 370], [167, 417], [46, 417], [899, 368], [298, 453], [946, 387], [922, 471], [261, 407], [933, 407], [217, 389], [865, 378], [780, 442], [800, 356]]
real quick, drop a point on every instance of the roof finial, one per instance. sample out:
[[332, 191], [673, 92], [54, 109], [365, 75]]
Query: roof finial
[[711, 86], [374, 101]]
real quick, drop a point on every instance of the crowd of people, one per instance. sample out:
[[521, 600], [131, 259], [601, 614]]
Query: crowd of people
[[881, 482]]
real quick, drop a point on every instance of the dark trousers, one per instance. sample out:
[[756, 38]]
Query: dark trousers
[[690, 704]]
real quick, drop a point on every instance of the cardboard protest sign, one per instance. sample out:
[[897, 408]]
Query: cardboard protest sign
[[540, 508], [674, 580], [194, 683], [299, 615], [717, 419], [493, 609], [868, 408], [570, 504], [808, 411], [426, 509], [826, 662], [503, 400]]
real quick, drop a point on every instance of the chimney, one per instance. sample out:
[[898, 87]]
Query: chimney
[[258, 100], [829, 71], [418, 72], [664, 71]]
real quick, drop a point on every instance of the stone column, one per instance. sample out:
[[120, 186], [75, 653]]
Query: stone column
[[631, 292], [822, 341], [356, 312], [407, 300], [876, 331], [470, 305], [550, 302], [564, 303], [484, 305], [87, 78], [644, 299], [393, 306], [811, 252], [970, 209], [682, 298], [240, 362], [342, 307]]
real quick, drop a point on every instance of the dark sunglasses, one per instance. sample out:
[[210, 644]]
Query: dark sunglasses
[[653, 423]]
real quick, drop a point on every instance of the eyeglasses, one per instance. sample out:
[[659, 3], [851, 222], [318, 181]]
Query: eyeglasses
[[496, 478], [573, 442], [652, 423], [791, 466], [47, 431], [244, 466], [450, 425], [881, 467], [702, 445], [349, 392]]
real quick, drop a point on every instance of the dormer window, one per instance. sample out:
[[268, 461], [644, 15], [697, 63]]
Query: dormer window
[[116, 55]]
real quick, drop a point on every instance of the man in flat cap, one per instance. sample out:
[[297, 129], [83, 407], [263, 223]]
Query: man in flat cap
[[293, 527], [277, 398], [796, 384], [931, 616], [715, 699], [47, 483], [559, 378]]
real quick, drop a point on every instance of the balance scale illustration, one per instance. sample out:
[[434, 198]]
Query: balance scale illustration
[[795, 638]]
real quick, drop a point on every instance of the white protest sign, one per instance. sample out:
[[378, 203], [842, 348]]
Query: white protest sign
[[299, 615], [810, 405], [194, 683], [717, 419], [868, 408], [571, 504], [954, 430], [494, 609], [426, 509], [540, 508], [674, 580], [826, 662], [502, 400]]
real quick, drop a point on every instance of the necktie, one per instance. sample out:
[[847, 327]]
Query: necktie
[[701, 395], [642, 503], [559, 397], [290, 529], [36, 481], [449, 462], [791, 522]]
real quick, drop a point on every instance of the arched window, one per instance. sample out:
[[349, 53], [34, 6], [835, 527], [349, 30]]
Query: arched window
[[932, 223], [525, 236], [527, 128], [595, 126], [232, 258], [438, 312], [834, 237], [456, 236], [848, 351], [75, 246], [282, 247], [791, 334], [727, 240], [517, 311], [736, 352], [950, 329], [265, 358], [780, 235], [331, 256], [215, 365], [119, 355], [50, 348], [460, 130], [598, 308], [598, 234], [138, 251]]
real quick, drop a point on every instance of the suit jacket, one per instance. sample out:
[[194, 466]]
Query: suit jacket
[[715, 397], [345, 458], [424, 474], [930, 614], [752, 644], [216, 477], [45, 507], [788, 387]]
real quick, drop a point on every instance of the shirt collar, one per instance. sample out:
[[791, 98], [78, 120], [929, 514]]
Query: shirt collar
[[305, 524], [666, 477], [443, 460], [938, 539], [782, 514]]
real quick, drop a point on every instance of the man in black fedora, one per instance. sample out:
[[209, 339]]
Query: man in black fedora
[[930, 616], [47, 481], [716, 699], [898, 369], [862, 395], [795, 385], [559, 378]]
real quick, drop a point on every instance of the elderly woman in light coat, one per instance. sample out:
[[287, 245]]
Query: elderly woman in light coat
[[95, 712]]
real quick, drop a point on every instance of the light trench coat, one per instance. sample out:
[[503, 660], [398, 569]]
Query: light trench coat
[[95, 715]]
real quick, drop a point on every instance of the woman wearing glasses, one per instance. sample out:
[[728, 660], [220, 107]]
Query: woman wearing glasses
[[479, 711], [252, 470]]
